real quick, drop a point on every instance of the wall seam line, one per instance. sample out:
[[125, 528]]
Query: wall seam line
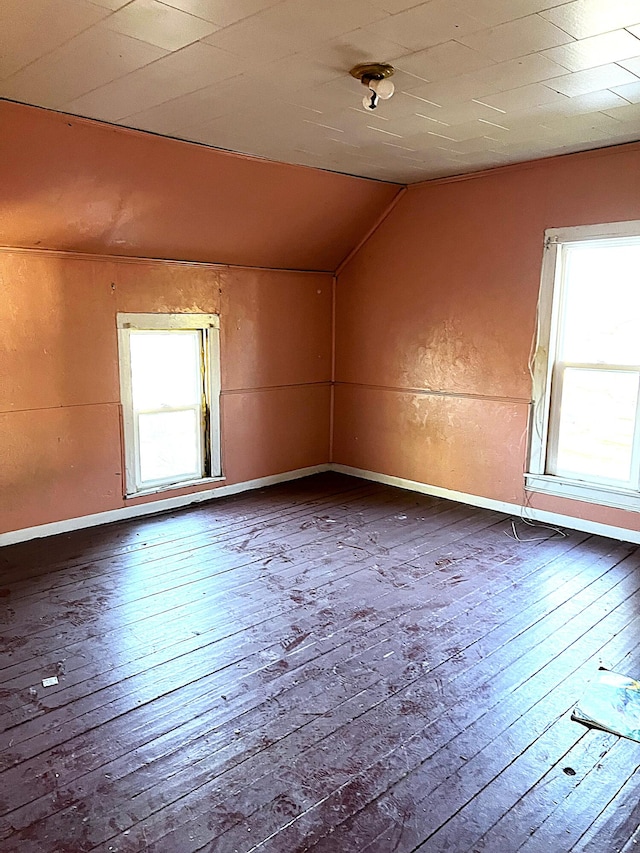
[[141, 259], [428, 392], [385, 213], [525, 164]]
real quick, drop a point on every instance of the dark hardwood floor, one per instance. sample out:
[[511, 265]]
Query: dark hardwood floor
[[329, 665]]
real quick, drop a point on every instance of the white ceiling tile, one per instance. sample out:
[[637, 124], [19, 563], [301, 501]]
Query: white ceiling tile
[[494, 12], [292, 73], [632, 65], [627, 113], [270, 77], [251, 39], [523, 98], [587, 122], [90, 60], [584, 18], [443, 61], [630, 92], [354, 122], [474, 130], [176, 74], [447, 92], [31, 29], [113, 5], [473, 146], [221, 12], [357, 46], [496, 78], [459, 113], [519, 72], [422, 142], [414, 123], [315, 22], [428, 24], [156, 23], [590, 102], [529, 133], [516, 38], [418, 123], [240, 94], [596, 50], [627, 133], [181, 115], [114, 101], [327, 97], [395, 6], [591, 80]]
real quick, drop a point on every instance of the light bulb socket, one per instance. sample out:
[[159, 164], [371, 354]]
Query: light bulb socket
[[372, 70], [373, 76]]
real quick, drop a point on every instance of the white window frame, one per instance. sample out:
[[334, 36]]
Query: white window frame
[[209, 326], [541, 442]]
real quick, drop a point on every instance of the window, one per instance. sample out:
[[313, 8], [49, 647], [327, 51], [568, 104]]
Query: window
[[170, 386], [585, 437]]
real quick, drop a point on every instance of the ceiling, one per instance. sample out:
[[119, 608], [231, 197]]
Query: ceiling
[[479, 83]]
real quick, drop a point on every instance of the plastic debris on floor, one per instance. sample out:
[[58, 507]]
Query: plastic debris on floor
[[611, 703]]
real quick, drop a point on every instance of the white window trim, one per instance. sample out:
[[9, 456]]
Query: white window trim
[[208, 323], [536, 478]]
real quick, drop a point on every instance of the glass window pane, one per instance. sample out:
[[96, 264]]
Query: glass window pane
[[169, 445], [601, 305], [165, 369], [597, 419]]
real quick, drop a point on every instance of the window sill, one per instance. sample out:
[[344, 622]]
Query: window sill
[[171, 487], [579, 491]]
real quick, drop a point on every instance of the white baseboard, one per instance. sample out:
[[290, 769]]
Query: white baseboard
[[529, 513], [152, 507], [165, 504]]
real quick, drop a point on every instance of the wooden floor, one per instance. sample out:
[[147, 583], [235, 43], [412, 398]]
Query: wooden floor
[[328, 665]]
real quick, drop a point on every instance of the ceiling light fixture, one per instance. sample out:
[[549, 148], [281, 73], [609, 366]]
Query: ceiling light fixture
[[375, 77]]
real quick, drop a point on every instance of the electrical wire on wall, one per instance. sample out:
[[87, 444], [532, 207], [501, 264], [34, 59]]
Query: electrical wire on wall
[[533, 423]]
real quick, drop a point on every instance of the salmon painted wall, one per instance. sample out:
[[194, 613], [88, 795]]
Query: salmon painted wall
[[436, 317], [90, 191], [59, 387], [79, 185]]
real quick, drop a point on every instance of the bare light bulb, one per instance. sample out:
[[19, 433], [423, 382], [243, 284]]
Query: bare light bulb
[[383, 88]]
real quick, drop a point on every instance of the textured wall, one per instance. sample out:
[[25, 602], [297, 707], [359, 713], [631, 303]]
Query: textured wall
[[436, 316], [82, 186], [59, 388]]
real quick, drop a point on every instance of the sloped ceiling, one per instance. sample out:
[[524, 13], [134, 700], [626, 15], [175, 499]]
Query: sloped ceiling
[[77, 185], [480, 83]]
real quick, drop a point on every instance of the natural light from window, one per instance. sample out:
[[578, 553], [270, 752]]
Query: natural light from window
[[596, 377], [167, 394]]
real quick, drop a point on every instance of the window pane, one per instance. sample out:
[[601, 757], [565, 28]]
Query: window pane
[[169, 445], [597, 419], [602, 305], [165, 369]]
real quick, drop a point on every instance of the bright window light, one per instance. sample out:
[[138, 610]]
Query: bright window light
[[586, 424], [169, 388], [596, 424], [597, 369]]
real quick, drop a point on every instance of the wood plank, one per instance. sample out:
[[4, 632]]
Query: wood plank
[[428, 775], [616, 826], [327, 665]]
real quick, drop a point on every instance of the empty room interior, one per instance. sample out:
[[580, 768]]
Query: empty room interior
[[319, 426]]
